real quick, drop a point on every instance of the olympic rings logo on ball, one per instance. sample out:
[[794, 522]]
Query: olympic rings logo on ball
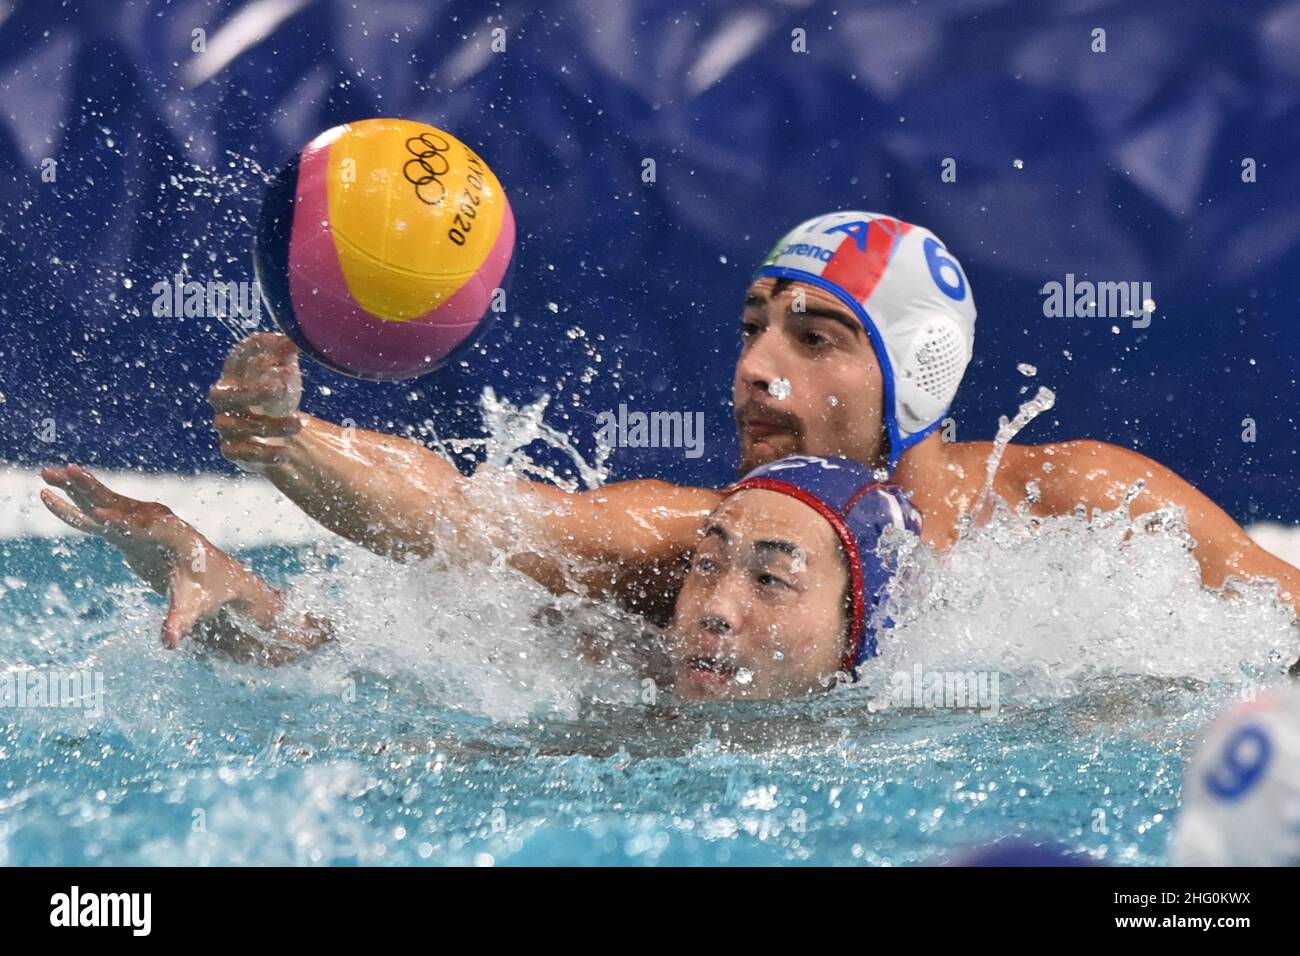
[[426, 152]]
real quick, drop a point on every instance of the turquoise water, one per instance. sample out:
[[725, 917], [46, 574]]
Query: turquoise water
[[350, 758]]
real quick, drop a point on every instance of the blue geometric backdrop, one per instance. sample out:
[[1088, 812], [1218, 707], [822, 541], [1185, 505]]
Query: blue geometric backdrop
[[1130, 168]]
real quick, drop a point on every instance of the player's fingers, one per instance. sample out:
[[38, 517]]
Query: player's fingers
[[69, 513], [238, 427], [282, 352], [114, 520], [56, 476], [72, 480], [187, 607], [254, 452], [86, 486], [280, 358], [246, 352], [236, 395], [238, 356], [266, 374]]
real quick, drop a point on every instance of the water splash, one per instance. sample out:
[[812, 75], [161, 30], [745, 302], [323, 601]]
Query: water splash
[[1063, 604], [511, 429], [987, 502]]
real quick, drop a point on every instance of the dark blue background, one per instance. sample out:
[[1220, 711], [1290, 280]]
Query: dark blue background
[[1131, 172]]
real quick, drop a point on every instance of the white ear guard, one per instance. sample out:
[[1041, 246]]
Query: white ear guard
[[929, 373]]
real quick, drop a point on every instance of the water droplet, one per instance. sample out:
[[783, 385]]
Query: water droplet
[[744, 676], [1134, 490], [780, 389], [554, 307], [1019, 164], [833, 400], [1024, 368]]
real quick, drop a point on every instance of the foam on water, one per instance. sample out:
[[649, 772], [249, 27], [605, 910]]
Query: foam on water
[[487, 641], [1052, 608]]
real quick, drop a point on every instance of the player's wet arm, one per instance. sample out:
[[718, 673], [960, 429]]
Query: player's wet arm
[[626, 540], [400, 499]]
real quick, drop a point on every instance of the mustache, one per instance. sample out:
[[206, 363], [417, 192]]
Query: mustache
[[767, 413]]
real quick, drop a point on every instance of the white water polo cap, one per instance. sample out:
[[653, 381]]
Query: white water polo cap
[[1241, 791], [910, 295]]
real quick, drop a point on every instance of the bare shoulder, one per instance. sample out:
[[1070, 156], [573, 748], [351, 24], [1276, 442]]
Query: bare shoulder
[[1098, 473], [1083, 453], [1063, 472], [1057, 476]]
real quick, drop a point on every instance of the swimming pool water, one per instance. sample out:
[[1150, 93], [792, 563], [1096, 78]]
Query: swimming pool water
[[334, 761]]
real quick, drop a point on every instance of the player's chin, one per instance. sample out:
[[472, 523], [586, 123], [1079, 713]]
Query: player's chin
[[755, 452]]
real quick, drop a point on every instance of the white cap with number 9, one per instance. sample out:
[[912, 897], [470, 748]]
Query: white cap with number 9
[[1241, 793]]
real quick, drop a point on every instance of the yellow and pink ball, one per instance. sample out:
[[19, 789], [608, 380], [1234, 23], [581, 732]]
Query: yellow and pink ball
[[382, 248]]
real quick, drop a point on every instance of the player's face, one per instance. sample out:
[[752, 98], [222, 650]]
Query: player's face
[[762, 612], [834, 399]]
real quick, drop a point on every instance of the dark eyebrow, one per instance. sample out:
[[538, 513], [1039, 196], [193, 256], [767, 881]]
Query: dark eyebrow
[[816, 312], [715, 530], [784, 547], [812, 311]]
